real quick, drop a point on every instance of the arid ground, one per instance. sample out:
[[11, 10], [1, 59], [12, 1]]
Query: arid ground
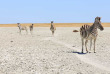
[[42, 53]]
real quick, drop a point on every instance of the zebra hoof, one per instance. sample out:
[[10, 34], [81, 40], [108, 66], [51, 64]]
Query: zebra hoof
[[89, 51]]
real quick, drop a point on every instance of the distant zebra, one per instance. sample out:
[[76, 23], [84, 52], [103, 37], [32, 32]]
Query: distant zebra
[[22, 28], [52, 28], [31, 28], [90, 32]]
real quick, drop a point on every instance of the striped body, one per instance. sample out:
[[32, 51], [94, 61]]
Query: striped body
[[31, 28], [52, 28], [87, 32], [22, 28], [90, 33]]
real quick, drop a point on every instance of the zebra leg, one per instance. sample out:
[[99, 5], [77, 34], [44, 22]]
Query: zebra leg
[[82, 44], [52, 32], [20, 32], [31, 32], [86, 45], [90, 44], [94, 45]]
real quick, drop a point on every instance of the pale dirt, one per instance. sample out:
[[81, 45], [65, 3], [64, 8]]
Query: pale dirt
[[42, 53]]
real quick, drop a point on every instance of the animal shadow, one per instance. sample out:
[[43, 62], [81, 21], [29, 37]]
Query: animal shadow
[[77, 52]]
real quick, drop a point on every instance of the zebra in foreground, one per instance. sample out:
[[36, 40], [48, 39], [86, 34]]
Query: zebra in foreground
[[22, 28], [52, 28], [31, 28], [90, 32]]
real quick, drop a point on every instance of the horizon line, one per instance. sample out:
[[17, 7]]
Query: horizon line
[[43, 23]]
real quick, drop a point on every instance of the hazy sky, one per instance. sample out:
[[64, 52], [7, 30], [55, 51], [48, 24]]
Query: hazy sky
[[60, 11]]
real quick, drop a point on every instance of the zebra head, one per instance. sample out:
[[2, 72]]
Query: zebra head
[[98, 23], [18, 24], [51, 21]]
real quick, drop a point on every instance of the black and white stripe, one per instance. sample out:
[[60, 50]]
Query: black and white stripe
[[31, 28], [22, 28], [88, 32], [84, 31], [52, 28]]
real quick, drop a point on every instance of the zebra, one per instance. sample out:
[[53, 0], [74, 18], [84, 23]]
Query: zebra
[[90, 32], [31, 28], [22, 28], [52, 28]]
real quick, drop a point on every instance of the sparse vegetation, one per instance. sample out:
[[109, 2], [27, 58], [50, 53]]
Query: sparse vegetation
[[56, 24]]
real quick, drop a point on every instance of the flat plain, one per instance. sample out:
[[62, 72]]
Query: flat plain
[[42, 53]]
